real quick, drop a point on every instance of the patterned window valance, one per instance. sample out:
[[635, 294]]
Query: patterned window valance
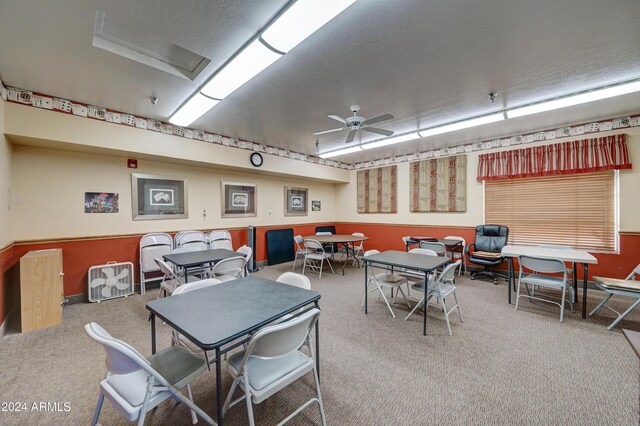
[[377, 190], [439, 185], [584, 156]]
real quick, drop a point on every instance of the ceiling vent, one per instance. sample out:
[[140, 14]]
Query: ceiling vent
[[140, 46]]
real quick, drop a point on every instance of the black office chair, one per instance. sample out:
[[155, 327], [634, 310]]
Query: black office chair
[[488, 244]]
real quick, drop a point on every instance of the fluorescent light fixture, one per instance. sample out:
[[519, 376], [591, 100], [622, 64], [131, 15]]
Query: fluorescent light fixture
[[343, 151], [465, 124], [581, 98], [246, 65], [391, 141], [301, 20], [193, 109]]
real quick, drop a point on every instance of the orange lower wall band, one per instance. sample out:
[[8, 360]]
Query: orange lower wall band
[[80, 255]]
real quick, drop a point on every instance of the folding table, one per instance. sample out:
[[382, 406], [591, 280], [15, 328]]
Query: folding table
[[214, 316]]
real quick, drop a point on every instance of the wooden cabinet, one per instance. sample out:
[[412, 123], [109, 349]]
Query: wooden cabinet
[[41, 289]]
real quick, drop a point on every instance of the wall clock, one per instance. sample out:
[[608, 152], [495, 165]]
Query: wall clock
[[256, 159]]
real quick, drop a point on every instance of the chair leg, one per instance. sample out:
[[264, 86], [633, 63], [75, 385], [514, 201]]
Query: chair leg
[[446, 315], [601, 304], [247, 397], [386, 301], [225, 407], [564, 293], [194, 418], [295, 259], [399, 290], [422, 301], [304, 264], [321, 265], [518, 295], [96, 415], [315, 378], [455, 297], [624, 314], [330, 266], [145, 403]]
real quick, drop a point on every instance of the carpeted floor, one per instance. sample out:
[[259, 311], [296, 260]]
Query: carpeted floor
[[501, 366]]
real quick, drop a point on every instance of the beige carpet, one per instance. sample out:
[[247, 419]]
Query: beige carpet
[[501, 366]]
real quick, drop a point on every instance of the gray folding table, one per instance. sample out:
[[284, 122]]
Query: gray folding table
[[198, 258], [410, 261], [216, 315]]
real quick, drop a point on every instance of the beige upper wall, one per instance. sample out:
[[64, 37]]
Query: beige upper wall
[[77, 133], [5, 182], [51, 184], [346, 195]]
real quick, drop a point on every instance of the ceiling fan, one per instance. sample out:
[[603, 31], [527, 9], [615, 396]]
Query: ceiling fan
[[356, 123]]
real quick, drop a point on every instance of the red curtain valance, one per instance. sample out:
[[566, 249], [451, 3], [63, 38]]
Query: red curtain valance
[[584, 156]]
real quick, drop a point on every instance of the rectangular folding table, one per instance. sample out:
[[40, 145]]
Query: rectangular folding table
[[565, 255], [198, 258], [214, 316], [400, 259]]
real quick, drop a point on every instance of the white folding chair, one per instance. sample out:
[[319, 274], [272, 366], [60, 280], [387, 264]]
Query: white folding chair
[[300, 249], [460, 254], [229, 269], [405, 242], [170, 280], [385, 278], [135, 385], [417, 276], [539, 268], [247, 252], [191, 239], [442, 287], [272, 361], [154, 245], [220, 240], [438, 248], [621, 292], [330, 248], [315, 257], [357, 249], [297, 280]]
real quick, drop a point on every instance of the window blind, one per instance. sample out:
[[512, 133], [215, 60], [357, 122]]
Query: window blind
[[573, 210]]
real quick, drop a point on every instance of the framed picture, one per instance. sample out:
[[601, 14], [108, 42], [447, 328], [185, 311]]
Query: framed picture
[[238, 199], [316, 206], [158, 197], [295, 201], [100, 202]]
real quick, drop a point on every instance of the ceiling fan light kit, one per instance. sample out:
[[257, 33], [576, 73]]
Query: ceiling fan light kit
[[291, 27]]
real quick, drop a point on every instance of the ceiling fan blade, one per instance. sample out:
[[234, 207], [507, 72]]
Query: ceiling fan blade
[[378, 119], [328, 131], [351, 135], [378, 131], [340, 119]]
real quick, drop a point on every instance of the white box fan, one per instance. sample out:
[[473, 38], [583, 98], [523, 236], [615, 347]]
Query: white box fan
[[110, 281]]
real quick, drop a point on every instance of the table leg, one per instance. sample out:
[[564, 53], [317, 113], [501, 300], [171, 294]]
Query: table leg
[[575, 282], [153, 333], [510, 267], [584, 290], [346, 246], [366, 281], [219, 386], [318, 347], [424, 325]]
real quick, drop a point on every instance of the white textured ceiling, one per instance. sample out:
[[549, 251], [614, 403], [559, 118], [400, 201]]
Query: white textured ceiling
[[425, 61]]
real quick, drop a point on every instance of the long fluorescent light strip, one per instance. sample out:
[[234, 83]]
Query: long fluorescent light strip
[[580, 98], [193, 109], [343, 151], [391, 141], [298, 22], [459, 125], [246, 65], [301, 20]]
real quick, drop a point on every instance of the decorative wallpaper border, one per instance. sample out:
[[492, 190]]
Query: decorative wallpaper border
[[39, 100], [545, 135], [79, 109]]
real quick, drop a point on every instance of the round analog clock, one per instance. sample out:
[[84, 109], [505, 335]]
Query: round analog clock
[[256, 159]]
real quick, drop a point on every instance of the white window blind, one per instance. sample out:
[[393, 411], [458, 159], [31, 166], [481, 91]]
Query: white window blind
[[575, 210]]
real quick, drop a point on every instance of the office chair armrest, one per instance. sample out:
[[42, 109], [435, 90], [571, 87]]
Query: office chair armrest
[[466, 249]]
